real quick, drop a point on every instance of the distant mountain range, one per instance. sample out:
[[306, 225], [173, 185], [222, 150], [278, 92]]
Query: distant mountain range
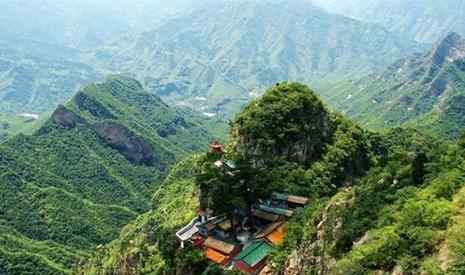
[[43, 45], [36, 77], [425, 91], [84, 24], [219, 57], [423, 20], [87, 172]]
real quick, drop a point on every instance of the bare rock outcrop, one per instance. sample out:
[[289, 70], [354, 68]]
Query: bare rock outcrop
[[311, 253], [66, 118], [132, 147]]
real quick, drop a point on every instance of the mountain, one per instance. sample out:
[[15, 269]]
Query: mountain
[[219, 57], [43, 47], [398, 219], [34, 78], [185, 58], [84, 24], [387, 203], [87, 172], [424, 91], [424, 20], [264, 129]]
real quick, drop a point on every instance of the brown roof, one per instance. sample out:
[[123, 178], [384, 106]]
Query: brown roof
[[265, 215], [215, 256], [269, 229], [290, 198], [219, 246], [277, 236], [297, 200], [217, 146]]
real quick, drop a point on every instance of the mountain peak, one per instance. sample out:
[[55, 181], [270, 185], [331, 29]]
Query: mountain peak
[[286, 112], [450, 49]]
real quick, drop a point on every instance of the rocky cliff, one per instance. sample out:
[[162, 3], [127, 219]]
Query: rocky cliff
[[134, 148]]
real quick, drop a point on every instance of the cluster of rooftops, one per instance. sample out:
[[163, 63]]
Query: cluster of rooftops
[[245, 241]]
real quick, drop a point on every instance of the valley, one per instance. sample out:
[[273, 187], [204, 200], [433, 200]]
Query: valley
[[89, 170], [265, 137], [227, 54]]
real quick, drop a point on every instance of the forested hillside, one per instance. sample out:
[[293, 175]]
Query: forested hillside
[[218, 58], [181, 137], [87, 172], [44, 46], [425, 91], [379, 203]]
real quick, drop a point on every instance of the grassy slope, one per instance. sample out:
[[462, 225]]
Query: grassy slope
[[388, 219]]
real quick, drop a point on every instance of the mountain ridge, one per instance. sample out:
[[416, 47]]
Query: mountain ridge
[[89, 170], [219, 67], [450, 49], [413, 91], [423, 20], [379, 202]]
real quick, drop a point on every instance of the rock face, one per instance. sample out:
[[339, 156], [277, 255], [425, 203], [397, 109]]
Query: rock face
[[133, 148], [66, 118], [329, 230], [450, 49]]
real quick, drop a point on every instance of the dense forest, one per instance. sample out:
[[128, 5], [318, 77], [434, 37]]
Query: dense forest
[[87, 172], [387, 202]]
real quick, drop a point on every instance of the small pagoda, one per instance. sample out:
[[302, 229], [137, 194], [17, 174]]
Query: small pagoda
[[217, 147]]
